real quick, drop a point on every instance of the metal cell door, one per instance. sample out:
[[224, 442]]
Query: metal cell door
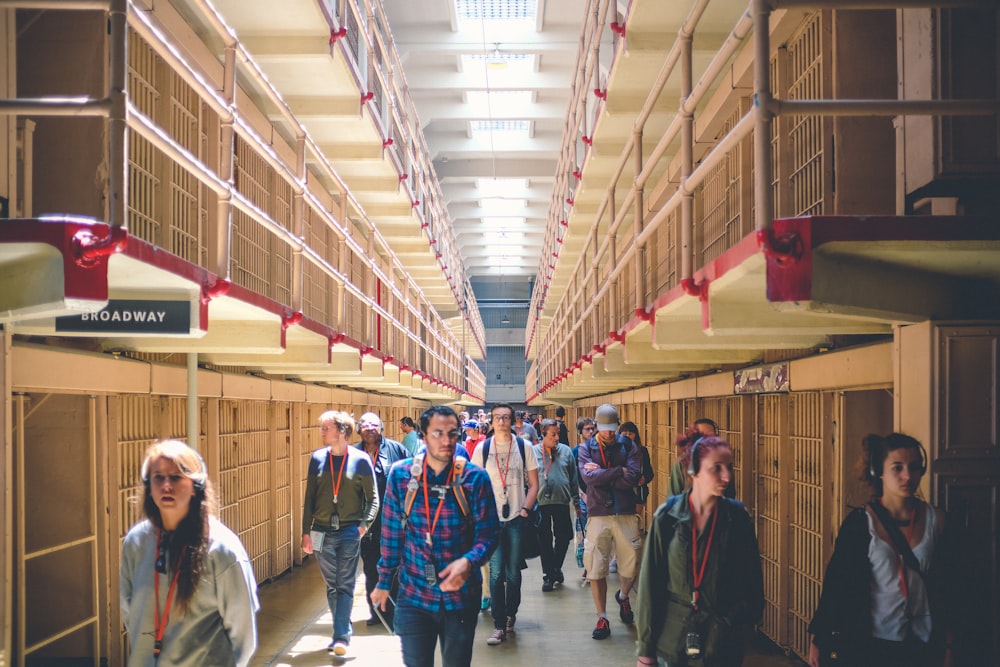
[[57, 564]]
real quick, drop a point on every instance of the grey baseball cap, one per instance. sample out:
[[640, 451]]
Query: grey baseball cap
[[606, 418]]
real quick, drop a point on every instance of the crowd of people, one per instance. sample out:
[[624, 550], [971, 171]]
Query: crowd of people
[[440, 524]]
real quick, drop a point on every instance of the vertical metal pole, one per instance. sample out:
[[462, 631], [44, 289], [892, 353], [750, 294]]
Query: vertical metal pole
[[637, 202], [6, 499], [227, 146], [94, 502], [117, 130], [763, 167], [192, 401], [687, 159]]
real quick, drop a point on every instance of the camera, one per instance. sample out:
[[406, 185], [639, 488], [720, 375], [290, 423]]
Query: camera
[[692, 644]]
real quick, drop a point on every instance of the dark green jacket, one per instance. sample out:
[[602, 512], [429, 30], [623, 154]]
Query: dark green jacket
[[732, 591]]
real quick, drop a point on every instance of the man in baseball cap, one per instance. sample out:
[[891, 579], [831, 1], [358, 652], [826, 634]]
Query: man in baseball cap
[[611, 466]]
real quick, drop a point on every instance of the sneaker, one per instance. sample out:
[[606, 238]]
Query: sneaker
[[485, 604], [339, 647], [498, 636], [613, 567], [511, 620], [624, 608], [547, 585], [602, 630], [559, 578], [373, 621]]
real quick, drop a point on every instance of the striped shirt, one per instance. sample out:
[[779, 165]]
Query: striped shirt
[[454, 536]]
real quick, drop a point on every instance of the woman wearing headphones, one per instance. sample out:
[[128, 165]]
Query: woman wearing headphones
[[188, 593], [885, 600], [701, 585]]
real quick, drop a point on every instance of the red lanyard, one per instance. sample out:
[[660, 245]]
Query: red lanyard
[[600, 448], [335, 483], [697, 575], [552, 458], [503, 473], [158, 627], [427, 503]]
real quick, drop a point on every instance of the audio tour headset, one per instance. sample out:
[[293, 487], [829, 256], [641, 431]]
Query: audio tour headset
[[199, 483], [874, 474], [693, 462]]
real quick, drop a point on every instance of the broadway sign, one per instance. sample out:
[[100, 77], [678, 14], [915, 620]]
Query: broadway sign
[[134, 316]]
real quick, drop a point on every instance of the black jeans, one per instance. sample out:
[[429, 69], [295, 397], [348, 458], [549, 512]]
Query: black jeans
[[555, 521], [371, 551]]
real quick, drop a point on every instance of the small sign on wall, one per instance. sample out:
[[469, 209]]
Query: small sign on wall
[[137, 316], [772, 378]]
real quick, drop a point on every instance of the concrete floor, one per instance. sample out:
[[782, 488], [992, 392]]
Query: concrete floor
[[294, 628]]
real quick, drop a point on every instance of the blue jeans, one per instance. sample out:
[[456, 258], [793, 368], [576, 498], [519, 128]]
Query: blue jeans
[[419, 631], [505, 572], [338, 563]]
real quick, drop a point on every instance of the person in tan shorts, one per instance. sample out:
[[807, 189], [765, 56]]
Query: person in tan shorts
[[611, 467]]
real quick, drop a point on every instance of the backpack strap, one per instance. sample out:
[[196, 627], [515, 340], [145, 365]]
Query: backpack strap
[[896, 535], [456, 486], [411, 487]]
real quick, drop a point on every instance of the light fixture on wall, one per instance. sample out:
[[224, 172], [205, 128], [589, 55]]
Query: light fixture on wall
[[505, 319]]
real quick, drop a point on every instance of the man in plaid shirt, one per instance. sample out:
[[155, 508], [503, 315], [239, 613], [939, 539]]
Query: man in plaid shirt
[[438, 550]]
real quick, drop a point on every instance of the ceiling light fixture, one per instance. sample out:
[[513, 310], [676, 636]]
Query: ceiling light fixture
[[496, 59]]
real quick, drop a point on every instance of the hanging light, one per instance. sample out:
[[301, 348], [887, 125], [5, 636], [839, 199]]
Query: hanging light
[[496, 60]]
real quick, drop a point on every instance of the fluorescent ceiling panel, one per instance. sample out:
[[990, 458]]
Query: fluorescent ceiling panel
[[501, 187], [496, 10], [499, 102], [501, 64], [501, 207], [495, 238], [504, 222]]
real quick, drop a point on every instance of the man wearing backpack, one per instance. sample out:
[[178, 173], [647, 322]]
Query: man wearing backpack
[[513, 470], [439, 526], [611, 466]]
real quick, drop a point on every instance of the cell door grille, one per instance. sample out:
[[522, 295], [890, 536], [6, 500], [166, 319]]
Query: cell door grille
[[805, 133], [768, 464], [244, 478], [805, 567]]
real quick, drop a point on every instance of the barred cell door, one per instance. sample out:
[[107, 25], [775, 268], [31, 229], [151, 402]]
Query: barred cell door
[[790, 465], [58, 571]]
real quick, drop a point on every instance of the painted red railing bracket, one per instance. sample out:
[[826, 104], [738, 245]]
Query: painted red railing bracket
[[786, 248], [291, 319], [88, 248], [337, 34], [618, 28], [691, 288]]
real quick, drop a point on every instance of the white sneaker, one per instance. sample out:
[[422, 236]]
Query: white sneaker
[[498, 636]]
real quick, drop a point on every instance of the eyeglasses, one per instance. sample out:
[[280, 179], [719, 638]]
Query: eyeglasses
[[589, 428], [336, 427], [501, 418], [451, 435]]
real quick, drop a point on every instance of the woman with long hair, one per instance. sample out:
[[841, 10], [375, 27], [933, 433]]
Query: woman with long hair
[[888, 595], [700, 584], [631, 431], [188, 593]]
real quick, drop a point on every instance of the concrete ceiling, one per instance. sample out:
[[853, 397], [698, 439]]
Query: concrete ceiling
[[463, 72]]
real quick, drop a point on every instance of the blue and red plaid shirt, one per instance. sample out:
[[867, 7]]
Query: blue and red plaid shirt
[[455, 536]]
